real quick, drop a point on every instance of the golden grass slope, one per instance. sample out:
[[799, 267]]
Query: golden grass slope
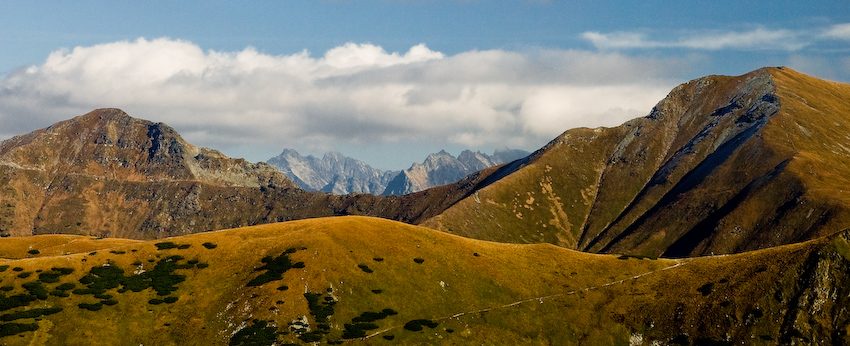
[[461, 291]]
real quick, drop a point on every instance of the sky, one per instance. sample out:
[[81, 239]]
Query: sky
[[389, 82]]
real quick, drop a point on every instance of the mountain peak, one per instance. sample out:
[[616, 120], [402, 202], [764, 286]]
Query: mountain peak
[[723, 164], [109, 143]]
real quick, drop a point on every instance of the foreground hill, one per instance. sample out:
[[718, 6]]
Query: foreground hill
[[722, 165], [356, 280]]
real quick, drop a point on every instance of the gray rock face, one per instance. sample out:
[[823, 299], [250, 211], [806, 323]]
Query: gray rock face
[[333, 173], [443, 168], [338, 174]]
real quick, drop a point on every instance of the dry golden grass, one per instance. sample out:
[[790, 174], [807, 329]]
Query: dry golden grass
[[477, 291]]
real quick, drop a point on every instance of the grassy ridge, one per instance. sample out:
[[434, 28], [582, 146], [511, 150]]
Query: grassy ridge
[[304, 281]]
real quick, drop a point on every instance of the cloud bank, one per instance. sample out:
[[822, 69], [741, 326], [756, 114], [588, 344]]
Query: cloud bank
[[354, 94], [759, 38]]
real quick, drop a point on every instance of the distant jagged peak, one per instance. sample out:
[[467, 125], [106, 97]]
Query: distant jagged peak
[[333, 173]]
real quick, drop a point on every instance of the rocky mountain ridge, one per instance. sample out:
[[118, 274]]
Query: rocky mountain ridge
[[442, 168], [338, 174], [333, 173]]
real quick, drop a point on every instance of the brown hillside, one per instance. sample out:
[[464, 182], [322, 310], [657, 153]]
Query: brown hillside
[[721, 165], [108, 174]]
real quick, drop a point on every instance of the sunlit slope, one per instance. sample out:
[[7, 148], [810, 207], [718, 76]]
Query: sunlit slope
[[358, 280], [719, 166]]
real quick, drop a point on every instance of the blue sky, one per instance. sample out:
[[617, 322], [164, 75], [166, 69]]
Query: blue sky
[[390, 81]]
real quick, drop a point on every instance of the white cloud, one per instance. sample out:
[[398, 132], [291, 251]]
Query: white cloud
[[838, 31], [757, 39], [355, 94]]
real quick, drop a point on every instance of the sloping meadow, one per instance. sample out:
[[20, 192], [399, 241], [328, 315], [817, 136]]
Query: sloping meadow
[[353, 280]]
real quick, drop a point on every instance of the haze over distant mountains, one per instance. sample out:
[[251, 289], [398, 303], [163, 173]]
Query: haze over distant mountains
[[338, 174]]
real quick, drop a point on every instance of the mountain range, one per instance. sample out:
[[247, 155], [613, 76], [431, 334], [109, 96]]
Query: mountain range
[[338, 174], [751, 162], [720, 218]]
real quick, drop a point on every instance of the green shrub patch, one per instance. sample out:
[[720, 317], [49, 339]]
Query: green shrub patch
[[274, 268], [91, 307], [259, 333], [15, 301], [165, 245], [161, 279], [32, 313], [7, 329], [3, 267], [706, 289], [53, 275], [66, 286], [365, 268], [419, 260], [369, 316], [314, 336], [416, 325], [209, 245], [36, 289], [320, 310], [33, 252], [357, 330], [58, 293]]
